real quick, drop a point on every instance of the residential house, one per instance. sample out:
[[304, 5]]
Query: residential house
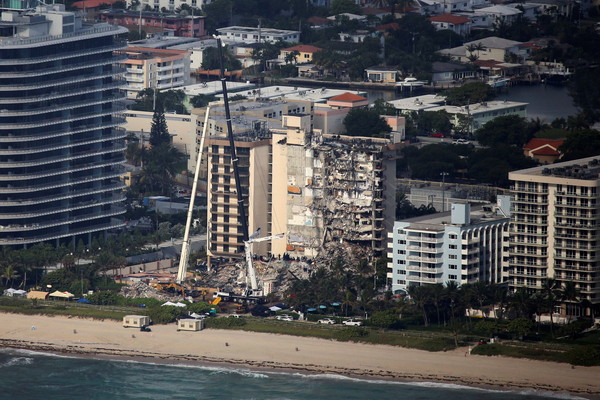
[[171, 5], [457, 24], [443, 72], [489, 48], [302, 53], [382, 74], [500, 15], [545, 151]]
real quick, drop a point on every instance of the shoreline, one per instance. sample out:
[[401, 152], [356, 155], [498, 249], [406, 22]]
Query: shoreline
[[290, 354]]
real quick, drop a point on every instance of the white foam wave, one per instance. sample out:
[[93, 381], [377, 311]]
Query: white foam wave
[[221, 370], [17, 361]]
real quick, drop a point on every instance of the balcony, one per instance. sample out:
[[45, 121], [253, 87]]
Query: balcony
[[530, 201], [116, 134], [67, 68], [67, 233], [528, 190], [74, 156], [62, 183], [115, 122], [67, 105], [60, 209], [58, 197], [115, 210], [58, 82], [41, 122]]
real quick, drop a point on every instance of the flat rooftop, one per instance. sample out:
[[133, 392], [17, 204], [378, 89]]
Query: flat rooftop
[[418, 102], [480, 214], [581, 169]]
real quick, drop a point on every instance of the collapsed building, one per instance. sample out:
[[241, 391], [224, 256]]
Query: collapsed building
[[316, 188]]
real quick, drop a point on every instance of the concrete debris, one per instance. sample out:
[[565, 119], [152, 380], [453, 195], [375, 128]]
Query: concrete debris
[[143, 290]]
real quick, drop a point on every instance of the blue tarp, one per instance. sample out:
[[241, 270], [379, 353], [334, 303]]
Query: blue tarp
[[311, 309], [86, 301]]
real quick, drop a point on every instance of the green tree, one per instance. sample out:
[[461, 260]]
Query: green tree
[[469, 93], [434, 122], [520, 327], [210, 59], [420, 298], [382, 107], [586, 93], [159, 132], [581, 144], [344, 6], [9, 274], [384, 319], [202, 100], [365, 122], [506, 129]]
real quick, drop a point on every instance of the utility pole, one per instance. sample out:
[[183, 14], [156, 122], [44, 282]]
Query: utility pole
[[444, 174]]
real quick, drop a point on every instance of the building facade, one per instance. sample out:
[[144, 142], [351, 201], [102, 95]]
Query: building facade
[[464, 246], [152, 22], [555, 226], [247, 34], [158, 69], [61, 148]]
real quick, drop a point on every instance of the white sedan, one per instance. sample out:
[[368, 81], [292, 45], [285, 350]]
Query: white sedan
[[326, 321]]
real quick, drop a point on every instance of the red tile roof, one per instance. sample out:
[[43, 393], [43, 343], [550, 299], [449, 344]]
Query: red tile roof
[[450, 18], [318, 21], [392, 26], [303, 48], [92, 3], [348, 97], [546, 151], [536, 143]]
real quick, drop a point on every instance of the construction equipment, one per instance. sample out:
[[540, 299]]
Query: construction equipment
[[252, 287], [170, 287], [185, 246]]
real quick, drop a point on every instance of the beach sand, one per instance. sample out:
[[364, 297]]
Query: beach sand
[[280, 352]]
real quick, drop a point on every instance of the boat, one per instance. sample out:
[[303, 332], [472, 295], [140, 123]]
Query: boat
[[410, 82], [497, 81]]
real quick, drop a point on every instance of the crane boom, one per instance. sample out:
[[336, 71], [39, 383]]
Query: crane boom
[[251, 272], [185, 246]]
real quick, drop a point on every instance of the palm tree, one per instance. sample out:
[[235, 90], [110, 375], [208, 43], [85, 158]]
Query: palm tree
[[570, 295], [420, 297], [452, 295], [551, 295], [348, 301], [436, 293], [9, 274], [521, 303]]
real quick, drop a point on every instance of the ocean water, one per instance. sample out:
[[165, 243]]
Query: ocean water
[[32, 375]]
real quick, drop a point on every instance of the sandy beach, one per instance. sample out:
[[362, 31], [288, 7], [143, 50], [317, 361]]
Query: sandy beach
[[259, 350]]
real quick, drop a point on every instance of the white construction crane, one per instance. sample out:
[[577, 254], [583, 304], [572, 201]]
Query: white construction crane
[[185, 246], [251, 282]]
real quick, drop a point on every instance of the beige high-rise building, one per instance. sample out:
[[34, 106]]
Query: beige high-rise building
[[555, 226]]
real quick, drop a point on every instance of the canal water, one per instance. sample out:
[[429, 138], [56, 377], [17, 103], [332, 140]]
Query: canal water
[[545, 102]]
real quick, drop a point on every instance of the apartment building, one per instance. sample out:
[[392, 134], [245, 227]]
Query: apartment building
[[158, 69], [171, 5], [61, 148], [465, 245], [153, 22], [555, 226], [247, 34]]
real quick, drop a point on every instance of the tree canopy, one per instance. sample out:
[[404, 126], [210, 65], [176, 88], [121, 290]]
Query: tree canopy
[[365, 122], [469, 93], [506, 129]]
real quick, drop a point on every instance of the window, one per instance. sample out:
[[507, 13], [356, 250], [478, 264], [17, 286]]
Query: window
[[454, 277], [452, 246], [453, 266], [452, 256], [452, 236]]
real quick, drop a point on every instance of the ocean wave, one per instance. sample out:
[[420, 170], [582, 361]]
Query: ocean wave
[[441, 385], [217, 370], [17, 361], [26, 352]]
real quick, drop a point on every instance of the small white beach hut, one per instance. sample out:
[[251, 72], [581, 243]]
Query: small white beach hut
[[189, 324], [135, 321]]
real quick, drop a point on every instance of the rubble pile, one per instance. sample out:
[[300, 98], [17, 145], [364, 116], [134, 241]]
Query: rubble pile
[[232, 277], [143, 290]]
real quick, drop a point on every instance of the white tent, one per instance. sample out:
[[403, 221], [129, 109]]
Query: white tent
[[275, 308], [169, 303], [15, 292], [62, 295], [178, 304]]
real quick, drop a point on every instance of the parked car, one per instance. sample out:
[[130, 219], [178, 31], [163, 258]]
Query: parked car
[[326, 321], [233, 316], [437, 134], [460, 141], [352, 322], [285, 318]]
